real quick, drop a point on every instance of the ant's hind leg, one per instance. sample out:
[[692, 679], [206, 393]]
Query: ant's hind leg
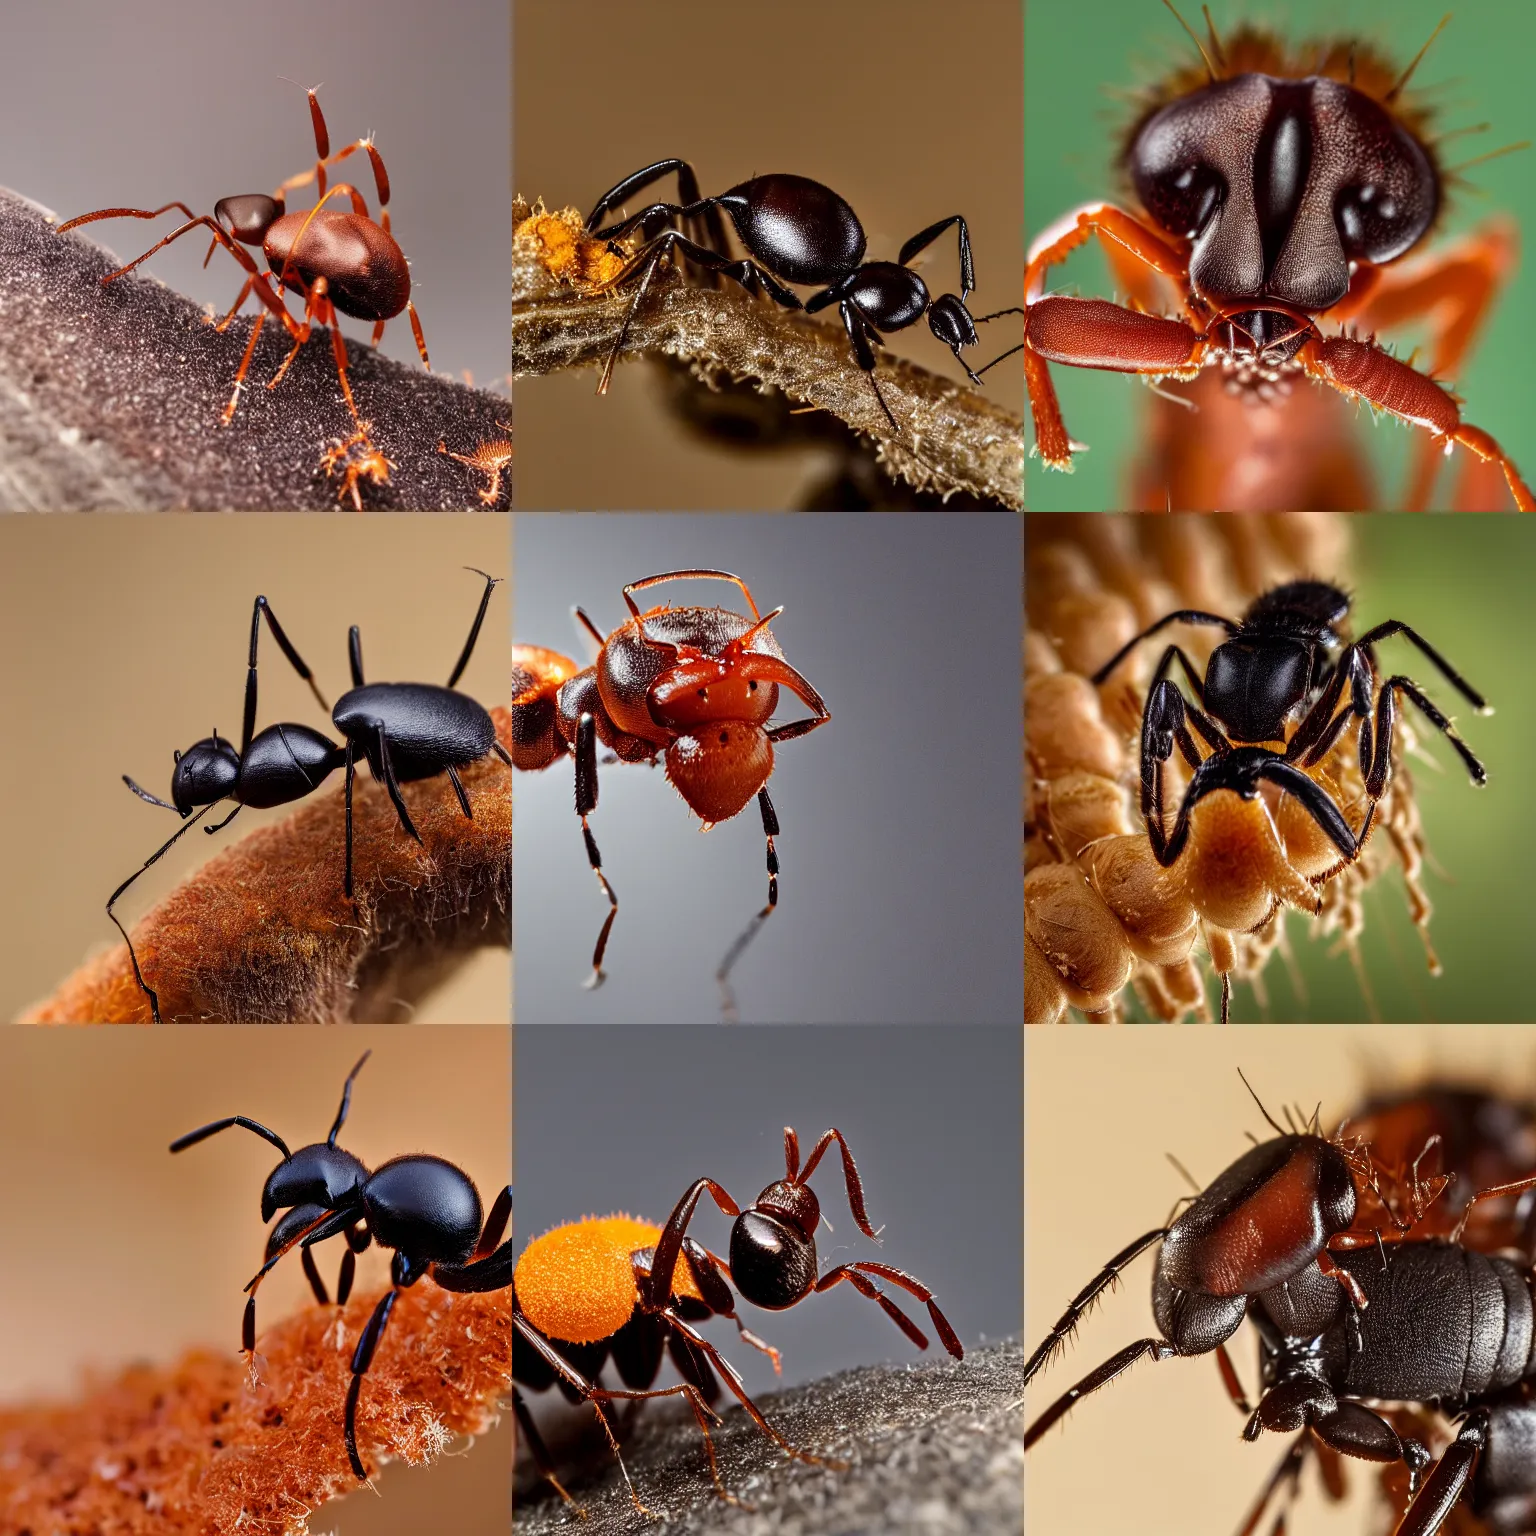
[[261, 608], [362, 1358]]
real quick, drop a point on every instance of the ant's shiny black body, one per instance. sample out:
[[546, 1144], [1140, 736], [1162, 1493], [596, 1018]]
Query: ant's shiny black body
[[1287, 656], [423, 1207], [795, 230]]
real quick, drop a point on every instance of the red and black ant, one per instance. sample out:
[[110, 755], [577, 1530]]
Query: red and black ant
[[794, 230], [423, 1207], [1277, 192], [624, 1289], [693, 687], [1360, 1292], [335, 260]]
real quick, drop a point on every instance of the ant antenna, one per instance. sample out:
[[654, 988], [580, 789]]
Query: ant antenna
[[1210, 68], [1257, 1100], [1184, 1172], [1407, 74], [1216, 48], [1493, 154]]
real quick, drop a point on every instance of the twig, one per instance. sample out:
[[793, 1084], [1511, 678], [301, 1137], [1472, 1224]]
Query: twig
[[264, 933], [197, 1448], [953, 438]]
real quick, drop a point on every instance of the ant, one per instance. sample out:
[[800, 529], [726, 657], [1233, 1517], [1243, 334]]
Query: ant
[[491, 457], [693, 686], [800, 231], [643, 1288], [1276, 192], [405, 731], [1287, 656], [336, 261], [1345, 1311], [423, 1207]]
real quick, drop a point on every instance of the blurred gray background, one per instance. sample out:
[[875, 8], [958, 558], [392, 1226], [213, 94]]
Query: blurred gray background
[[900, 899], [932, 1115], [117, 106]]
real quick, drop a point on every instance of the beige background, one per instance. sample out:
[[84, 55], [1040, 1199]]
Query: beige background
[[1160, 1449], [912, 112], [125, 638], [115, 1251]]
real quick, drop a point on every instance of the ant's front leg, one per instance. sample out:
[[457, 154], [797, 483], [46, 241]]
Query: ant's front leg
[[1361, 369], [1093, 333], [1162, 725]]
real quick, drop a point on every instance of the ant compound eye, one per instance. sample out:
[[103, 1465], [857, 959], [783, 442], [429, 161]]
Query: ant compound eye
[[1184, 200], [1387, 192], [1373, 223]]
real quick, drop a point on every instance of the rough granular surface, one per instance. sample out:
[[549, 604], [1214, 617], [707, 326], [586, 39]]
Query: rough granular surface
[[111, 397], [930, 1450]]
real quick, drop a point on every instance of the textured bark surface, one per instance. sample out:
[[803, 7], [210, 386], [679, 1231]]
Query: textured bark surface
[[953, 438], [111, 397], [263, 933], [933, 1448], [199, 1447]]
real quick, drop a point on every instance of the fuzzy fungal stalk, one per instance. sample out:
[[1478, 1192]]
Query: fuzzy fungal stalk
[[1101, 914]]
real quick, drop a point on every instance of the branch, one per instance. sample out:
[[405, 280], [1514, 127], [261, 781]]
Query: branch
[[944, 1437], [111, 397], [954, 439], [196, 1447], [264, 934]]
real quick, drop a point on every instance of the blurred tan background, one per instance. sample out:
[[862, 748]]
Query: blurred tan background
[[911, 111], [1159, 1450], [126, 638], [116, 1251]]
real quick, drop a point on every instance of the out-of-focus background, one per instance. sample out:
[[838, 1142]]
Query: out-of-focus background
[[930, 1113], [1160, 1449], [900, 899], [127, 639], [911, 113], [132, 106], [116, 1251], [1080, 81]]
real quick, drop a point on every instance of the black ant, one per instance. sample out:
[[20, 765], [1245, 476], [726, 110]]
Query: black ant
[[1287, 656], [337, 261], [693, 686], [1346, 1311], [405, 731], [621, 1287], [423, 1207], [801, 232]]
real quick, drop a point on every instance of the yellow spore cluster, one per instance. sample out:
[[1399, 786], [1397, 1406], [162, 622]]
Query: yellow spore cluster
[[576, 1283], [559, 242], [1100, 913]]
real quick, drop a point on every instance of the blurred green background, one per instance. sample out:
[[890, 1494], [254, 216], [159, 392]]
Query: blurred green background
[[1081, 67], [1463, 582]]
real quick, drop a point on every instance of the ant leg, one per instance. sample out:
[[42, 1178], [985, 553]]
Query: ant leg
[[586, 803], [351, 767], [259, 609], [362, 1358], [1381, 767], [458, 789], [1066, 1324], [392, 785], [495, 1224], [1182, 616], [1392, 627], [1435, 1500], [1151, 1349], [538, 1450], [491, 583], [1319, 805], [859, 332], [159, 853], [1287, 1474], [747, 934], [312, 1274], [927, 236], [1320, 727], [708, 215], [851, 1178], [421, 340], [857, 1275], [125, 213], [658, 1283], [355, 655]]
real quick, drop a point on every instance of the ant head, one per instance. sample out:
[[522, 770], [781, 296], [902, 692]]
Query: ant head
[[206, 772], [321, 1175], [773, 1245], [951, 322], [249, 216]]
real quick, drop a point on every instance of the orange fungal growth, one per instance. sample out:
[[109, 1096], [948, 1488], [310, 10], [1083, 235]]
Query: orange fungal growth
[[561, 245]]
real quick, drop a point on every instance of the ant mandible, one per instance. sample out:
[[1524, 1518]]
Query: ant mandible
[[1278, 192], [423, 1207], [642, 1288], [337, 261], [405, 731], [693, 686], [800, 231]]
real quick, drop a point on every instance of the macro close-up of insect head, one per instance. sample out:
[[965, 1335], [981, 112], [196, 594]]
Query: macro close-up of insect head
[[361, 1382], [326, 699], [1304, 1299], [766, 691], [255, 266], [1274, 768], [1275, 255], [781, 285], [839, 1211]]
